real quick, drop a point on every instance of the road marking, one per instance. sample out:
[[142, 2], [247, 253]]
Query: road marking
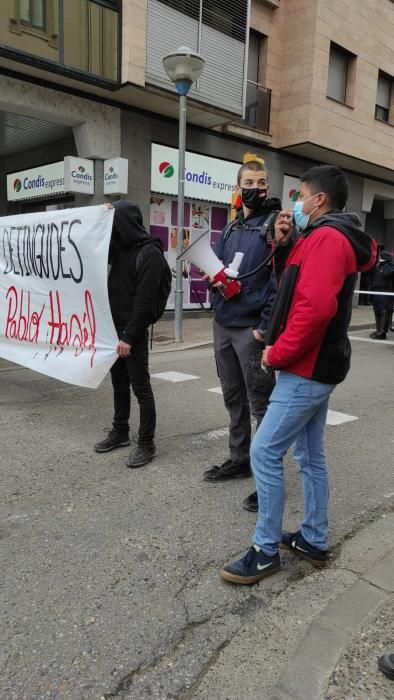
[[337, 418], [333, 417], [174, 376], [371, 340]]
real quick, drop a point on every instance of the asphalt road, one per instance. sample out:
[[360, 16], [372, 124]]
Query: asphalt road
[[109, 584]]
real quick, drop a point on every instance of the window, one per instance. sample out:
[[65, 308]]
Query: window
[[187, 7], [32, 12], [91, 37], [258, 98], [226, 16], [338, 73], [383, 97], [70, 35]]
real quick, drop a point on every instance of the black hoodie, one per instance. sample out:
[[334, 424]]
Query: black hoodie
[[309, 321], [133, 292]]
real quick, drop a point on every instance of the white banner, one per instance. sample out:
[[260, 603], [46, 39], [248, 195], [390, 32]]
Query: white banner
[[54, 309], [209, 179]]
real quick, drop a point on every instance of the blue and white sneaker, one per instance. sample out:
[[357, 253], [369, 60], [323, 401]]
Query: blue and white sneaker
[[295, 542], [253, 567]]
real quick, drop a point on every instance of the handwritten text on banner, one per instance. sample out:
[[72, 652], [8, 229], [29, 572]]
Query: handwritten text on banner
[[54, 310]]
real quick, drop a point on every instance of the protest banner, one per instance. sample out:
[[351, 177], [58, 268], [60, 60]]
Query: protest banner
[[54, 310]]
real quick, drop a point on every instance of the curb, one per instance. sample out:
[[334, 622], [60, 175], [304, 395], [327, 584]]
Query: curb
[[328, 635], [171, 347]]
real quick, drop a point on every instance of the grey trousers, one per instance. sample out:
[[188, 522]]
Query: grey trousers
[[246, 387]]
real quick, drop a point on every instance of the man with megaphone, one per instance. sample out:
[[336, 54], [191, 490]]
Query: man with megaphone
[[240, 319]]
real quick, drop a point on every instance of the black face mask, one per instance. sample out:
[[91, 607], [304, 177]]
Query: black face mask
[[254, 198]]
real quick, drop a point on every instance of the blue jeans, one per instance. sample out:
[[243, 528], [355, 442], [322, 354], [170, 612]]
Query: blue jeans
[[296, 415]]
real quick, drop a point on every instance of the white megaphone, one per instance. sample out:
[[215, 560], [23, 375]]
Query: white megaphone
[[201, 254]]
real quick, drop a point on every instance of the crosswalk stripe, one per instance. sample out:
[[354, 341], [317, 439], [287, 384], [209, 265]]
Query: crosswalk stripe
[[337, 418], [333, 417], [173, 376], [371, 340]]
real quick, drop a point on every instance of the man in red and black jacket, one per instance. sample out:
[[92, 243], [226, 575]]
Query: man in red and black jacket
[[307, 341]]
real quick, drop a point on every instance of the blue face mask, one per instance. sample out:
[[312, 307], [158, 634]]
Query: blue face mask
[[301, 219]]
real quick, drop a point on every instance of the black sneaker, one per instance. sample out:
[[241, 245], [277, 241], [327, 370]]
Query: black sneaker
[[295, 542], [141, 456], [378, 336], [386, 665], [253, 567], [228, 470], [112, 442], [251, 503]]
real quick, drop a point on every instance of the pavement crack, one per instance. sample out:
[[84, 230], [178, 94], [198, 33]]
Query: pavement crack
[[375, 585], [187, 693], [129, 680]]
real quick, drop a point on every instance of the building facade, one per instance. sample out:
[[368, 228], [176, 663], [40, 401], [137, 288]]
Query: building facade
[[298, 82]]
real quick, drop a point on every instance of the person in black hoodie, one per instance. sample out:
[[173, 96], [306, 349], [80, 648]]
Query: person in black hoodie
[[136, 261], [240, 323], [382, 279]]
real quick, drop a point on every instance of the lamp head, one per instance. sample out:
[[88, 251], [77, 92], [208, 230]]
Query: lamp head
[[183, 67]]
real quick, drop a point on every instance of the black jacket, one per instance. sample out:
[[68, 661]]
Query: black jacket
[[132, 292], [382, 275], [251, 307]]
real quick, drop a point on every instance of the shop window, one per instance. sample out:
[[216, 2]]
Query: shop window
[[384, 97], [340, 69]]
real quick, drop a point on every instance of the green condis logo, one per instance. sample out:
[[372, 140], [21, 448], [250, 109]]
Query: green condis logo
[[166, 169], [17, 185]]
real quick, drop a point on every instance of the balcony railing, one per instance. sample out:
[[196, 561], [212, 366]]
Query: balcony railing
[[258, 107]]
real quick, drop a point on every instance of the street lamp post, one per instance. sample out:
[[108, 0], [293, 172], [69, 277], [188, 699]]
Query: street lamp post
[[183, 67]]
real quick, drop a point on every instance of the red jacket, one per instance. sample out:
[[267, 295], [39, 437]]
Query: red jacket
[[313, 309]]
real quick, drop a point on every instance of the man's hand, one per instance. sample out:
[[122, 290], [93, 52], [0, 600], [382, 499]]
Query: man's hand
[[123, 349], [284, 227], [258, 336], [265, 356]]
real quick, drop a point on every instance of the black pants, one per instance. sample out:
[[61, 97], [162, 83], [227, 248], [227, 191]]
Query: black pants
[[134, 371]]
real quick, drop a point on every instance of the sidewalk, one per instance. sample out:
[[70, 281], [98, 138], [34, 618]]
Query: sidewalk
[[197, 328], [343, 643], [322, 635]]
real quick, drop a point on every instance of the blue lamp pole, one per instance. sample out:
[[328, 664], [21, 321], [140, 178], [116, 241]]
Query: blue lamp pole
[[183, 67]]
